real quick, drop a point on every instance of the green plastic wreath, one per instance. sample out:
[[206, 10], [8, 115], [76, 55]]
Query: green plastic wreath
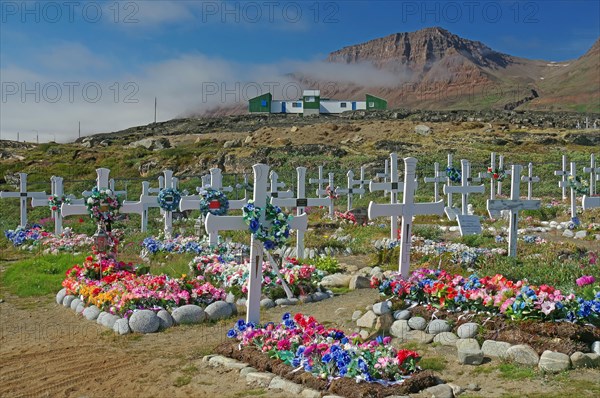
[[213, 202], [581, 187], [276, 229], [168, 199], [103, 205]]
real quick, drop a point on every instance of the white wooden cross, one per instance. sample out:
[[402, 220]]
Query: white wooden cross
[[170, 182], [80, 208], [514, 205], [142, 206], [275, 185], [473, 222], [362, 181], [407, 209], [565, 184], [394, 187], [594, 173], [111, 186], [450, 211], [506, 172], [530, 179], [320, 181], [231, 223], [385, 175], [564, 174], [436, 179], [323, 192], [300, 202], [490, 175], [23, 195], [56, 184], [216, 183], [350, 191]]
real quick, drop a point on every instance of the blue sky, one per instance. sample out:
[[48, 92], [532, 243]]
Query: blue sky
[[136, 50]]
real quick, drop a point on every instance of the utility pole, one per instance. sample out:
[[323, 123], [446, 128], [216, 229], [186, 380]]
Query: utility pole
[[80, 129], [155, 103]]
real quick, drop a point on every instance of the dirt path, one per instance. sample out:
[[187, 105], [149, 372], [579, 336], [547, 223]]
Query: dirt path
[[48, 351]]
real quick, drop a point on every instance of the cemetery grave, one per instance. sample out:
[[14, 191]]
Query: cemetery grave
[[283, 248]]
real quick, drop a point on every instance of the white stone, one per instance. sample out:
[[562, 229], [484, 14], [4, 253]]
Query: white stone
[[438, 326], [336, 280], [417, 323], [400, 329], [121, 326], [523, 354], [382, 308], [144, 321], [440, 391], [165, 319], [262, 379], [496, 349], [188, 314], [359, 282], [60, 296], [568, 233], [580, 234], [467, 330], [367, 320], [91, 313], [279, 383], [218, 310], [446, 338], [554, 362]]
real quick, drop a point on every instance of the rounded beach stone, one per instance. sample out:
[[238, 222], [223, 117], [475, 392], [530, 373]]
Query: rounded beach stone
[[267, 303], [144, 321], [91, 313], [68, 300], [438, 326], [121, 326], [188, 314], [580, 360], [402, 315], [467, 330], [554, 362], [382, 308], [75, 303], [61, 295], [400, 328], [446, 338], [80, 308], [101, 317], [165, 319], [218, 310], [417, 323], [523, 354], [110, 320]]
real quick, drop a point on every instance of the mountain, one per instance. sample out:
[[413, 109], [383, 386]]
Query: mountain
[[434, 69]]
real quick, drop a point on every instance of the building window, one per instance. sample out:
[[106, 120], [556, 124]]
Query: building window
[[296, 104], [309, 99], [342, 104], [263, 103], [371, 104]]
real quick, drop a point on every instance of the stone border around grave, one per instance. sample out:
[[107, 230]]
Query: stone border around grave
[[403, 326], [149, 321]]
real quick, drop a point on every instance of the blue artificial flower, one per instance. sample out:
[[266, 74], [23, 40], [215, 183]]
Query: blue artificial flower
[[286, 316], [241, 325], [254, 225], [379, 340], [362, 365], [269, 244], [231, 333], [345, 340], [326, 358], [289, 324]]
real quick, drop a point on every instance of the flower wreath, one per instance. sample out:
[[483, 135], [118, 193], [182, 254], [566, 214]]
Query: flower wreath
[[169, 198], [103, 205], [331, 193], [213, 202], [54, 201], [274, 235], [497, 174], [453, 174], [581, 187]]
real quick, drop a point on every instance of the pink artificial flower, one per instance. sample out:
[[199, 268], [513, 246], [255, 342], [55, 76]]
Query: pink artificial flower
[[585, 280]]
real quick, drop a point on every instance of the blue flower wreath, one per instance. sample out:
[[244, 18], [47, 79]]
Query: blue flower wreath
[[209, 197], [274, 235], [453, 174], [169, 198]]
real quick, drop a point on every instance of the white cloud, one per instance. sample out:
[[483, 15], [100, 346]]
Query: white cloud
[[70, 56]]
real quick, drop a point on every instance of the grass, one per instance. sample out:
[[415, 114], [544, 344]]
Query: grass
[[512, 371], [39, 275], [436, 364], [250, 393], [182, 381]]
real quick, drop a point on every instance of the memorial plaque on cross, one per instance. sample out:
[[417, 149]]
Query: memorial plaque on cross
[[329, 192], [141, 207], [514, 205], [23, 195], [407, 209], [530, 179], [350, 191], [394, 186], [464, 190], [436, 179], [594, 173], [300, 202], [237, 223]]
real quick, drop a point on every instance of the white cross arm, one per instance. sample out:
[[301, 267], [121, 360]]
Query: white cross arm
[[317, 180], [561, 173], [71, 209], [193, 203], [282, 194], [353, 191], [389, 210], [590, 202], [38, 195], [532, 179], [436, 179], [294, 202], [236, 223], [386, 186], [507, 204], [463, 189]]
